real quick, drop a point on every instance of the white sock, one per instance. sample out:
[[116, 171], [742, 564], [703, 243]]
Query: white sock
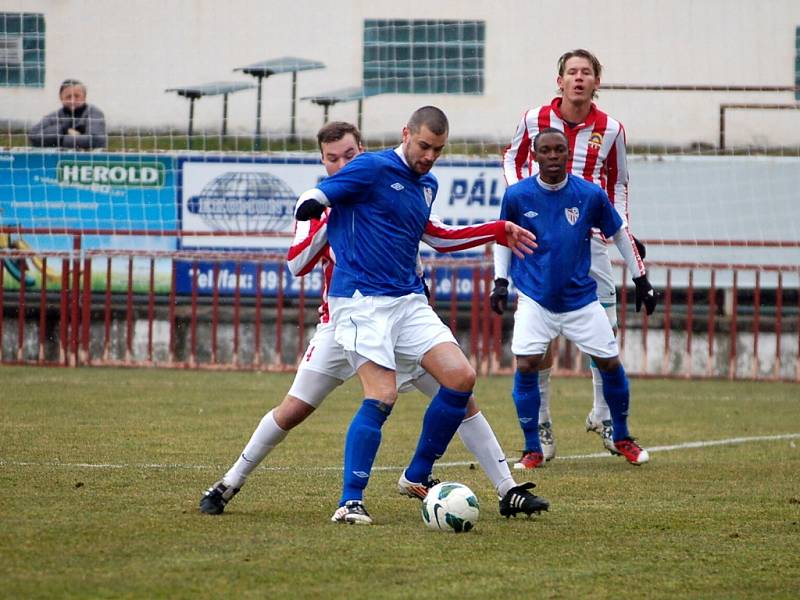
[[266, 436], [544, 392], [600, 407], [478, 437]]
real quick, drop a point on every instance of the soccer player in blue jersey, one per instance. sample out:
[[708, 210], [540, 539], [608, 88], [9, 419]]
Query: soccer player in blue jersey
[[380, 203], [325, 367], [597, 154], [556, 294]]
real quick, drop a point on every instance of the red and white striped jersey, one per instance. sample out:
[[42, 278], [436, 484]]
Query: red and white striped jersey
[[596, 148], [310, 246], [452, 238]]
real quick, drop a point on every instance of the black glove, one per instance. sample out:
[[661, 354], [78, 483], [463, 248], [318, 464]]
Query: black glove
[[425, 288], [644, 295], [640, 248], [309, 209], [499, 298]]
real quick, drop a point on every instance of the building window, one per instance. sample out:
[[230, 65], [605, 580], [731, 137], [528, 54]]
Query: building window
[[423, 57], [21, 50], [797, 63]]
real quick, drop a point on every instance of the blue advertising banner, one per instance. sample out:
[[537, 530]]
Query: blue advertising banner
[[249, 275], [87, 191], [268, 278], [94, 194]]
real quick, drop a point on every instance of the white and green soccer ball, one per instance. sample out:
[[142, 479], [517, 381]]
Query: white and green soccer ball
[[450, 506]]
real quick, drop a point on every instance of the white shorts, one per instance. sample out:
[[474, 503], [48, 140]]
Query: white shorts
[[410, 375], [387, 330], [588, 327], [324, 355], [425, 383], [601, 271], [324, 367]]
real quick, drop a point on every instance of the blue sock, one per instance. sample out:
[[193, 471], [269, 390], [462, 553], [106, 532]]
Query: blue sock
[[445, 413], [527, 400], [617, 394], [361, 446]]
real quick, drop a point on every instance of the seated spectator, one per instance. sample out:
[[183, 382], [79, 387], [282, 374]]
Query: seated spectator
[[76, 125]]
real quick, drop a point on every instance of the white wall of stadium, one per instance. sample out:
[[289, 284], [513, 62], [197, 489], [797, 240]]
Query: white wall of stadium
[[129, 53]]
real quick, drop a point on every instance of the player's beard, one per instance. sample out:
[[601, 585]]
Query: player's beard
[[422, 168]]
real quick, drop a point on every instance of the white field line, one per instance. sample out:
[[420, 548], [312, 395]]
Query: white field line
[[148, 466]]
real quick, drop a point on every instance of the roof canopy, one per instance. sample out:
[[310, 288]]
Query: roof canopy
[[286, 64], [211, 89]]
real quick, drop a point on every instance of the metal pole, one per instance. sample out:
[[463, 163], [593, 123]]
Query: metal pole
[[76, 285], [325, 108], [360, 112], [224, 115], [191, 121], [257, 142], [294, 103]]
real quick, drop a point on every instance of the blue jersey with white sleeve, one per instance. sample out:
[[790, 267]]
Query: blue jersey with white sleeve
[[379, 211], [556, 275]]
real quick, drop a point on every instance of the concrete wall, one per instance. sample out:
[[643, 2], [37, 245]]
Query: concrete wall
[[130, 52]]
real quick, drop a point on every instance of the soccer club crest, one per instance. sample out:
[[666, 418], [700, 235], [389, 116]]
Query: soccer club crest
[[596, 140], [428, 196], [572, 214]]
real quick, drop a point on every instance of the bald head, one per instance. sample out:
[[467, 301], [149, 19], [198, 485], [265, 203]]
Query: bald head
[[431, 117]]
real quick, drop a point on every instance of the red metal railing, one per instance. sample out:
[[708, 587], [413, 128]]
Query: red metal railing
[[113, 324]]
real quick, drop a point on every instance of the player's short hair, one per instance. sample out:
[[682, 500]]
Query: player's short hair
[[431, 117], [335, 131], [67, 83], [580, 52], [548, 130]]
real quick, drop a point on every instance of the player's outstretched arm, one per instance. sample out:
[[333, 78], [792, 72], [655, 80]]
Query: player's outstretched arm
[[452, 238], [520, 240]]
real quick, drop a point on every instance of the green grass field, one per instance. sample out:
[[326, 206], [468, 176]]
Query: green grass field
[[102, 470]]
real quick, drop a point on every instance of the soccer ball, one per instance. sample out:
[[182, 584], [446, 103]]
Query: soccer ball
[[450, 507]]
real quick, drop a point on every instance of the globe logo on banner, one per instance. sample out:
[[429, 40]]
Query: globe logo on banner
[[245, 202]]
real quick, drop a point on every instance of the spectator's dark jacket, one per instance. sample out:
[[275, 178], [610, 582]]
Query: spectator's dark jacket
[[51, 131]]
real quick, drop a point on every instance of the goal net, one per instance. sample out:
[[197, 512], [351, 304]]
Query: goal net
[[207, 139]]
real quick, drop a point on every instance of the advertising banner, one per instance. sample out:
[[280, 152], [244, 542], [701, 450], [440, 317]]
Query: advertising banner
[[245, 203], [203, 275], [82, 191], [255, 195], [246, 196], [95, 195]]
